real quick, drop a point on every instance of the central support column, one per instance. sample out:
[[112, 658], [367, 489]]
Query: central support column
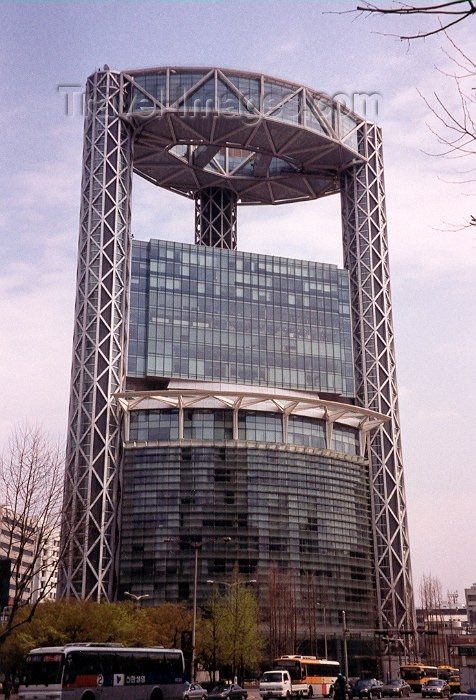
[[215, 218]]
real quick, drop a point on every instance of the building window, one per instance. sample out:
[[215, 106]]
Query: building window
[[345, 439], [306, 431], [154, 425], [208, 425], [260, 426]]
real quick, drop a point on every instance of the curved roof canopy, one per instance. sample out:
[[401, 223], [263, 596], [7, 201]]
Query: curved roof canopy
[[267, 140], [188, 394]]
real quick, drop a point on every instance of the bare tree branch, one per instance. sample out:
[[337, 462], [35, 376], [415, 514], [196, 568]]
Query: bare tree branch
[[452, 13], [456, 127], [31, 481]]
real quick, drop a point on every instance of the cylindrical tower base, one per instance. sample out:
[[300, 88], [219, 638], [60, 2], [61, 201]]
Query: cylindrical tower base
[[215, 218]]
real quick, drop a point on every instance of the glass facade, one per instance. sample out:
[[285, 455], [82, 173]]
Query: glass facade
[[297, 509], [257, 426], [218, 315], [306, 431], [189, 93]]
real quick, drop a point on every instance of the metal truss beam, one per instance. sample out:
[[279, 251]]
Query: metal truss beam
[[366, 258], [99, 345], [219, 397]]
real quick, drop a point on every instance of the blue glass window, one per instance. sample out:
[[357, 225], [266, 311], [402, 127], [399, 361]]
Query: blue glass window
[[345, 439], [260, 426], [153, 425], [181, 83], [207, 425], [306, 431], [220, 315]]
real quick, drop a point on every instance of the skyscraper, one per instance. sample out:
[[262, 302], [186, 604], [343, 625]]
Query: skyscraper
[[221, 394]]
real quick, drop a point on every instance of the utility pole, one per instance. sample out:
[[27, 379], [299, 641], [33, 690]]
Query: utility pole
[[324, 610], [196, 546], [344, 636]]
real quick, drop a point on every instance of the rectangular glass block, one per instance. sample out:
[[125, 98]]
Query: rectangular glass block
[[236, 317]]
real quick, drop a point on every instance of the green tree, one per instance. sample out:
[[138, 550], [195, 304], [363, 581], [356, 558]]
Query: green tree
[[167, 622], [240, 628], [210, 639], [63, 622]]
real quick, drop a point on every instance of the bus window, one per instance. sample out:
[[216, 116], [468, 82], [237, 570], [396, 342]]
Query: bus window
[[174, 662], [43, 669]]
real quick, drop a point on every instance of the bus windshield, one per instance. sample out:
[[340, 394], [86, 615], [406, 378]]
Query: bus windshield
[[293, 667], [43, 669], [411, 674], [446, 672]]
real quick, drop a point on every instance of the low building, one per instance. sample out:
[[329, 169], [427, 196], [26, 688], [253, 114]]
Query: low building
[[438, 627], [33, 560], [470, 595]]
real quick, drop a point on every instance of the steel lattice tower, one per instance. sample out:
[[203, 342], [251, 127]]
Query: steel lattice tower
[[302, 146], [366, 258], [99, 345]]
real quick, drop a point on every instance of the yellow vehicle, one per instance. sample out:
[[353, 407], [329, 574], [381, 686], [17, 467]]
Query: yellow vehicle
[[318, 674], [450, 674], [417, 674], [445, 672]]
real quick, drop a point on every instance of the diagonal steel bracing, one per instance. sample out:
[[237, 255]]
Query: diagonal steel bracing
[[268, 158], [215, 218], [366, 258], [99, 344]]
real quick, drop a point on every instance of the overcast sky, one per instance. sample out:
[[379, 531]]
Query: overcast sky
[[46, 45]]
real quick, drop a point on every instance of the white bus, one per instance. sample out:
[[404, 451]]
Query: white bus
[[102, 672]]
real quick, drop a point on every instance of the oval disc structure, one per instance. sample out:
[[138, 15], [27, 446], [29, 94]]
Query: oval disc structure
[[267, 140]]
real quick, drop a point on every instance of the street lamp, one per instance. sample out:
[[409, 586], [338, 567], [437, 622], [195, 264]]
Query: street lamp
[[324, 611], [135, 597], [344, 635], [196, 545]]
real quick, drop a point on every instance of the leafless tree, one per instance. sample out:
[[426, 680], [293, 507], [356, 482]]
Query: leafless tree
[[309, 610], [31, 480], [431, 594], [448, 14], [455, 129], [282, 610]]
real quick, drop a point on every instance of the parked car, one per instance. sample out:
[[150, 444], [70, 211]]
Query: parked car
[[367, 688], [195, 692], [396, 687], [435, 688], [230, 692]]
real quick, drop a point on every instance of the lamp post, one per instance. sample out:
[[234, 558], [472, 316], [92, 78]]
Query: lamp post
[[344, 635], [196, 546], [323, 605], [324, 611]]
